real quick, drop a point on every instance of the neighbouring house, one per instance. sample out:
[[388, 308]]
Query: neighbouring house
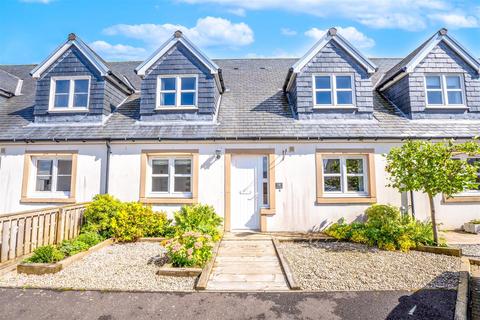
[[272, 144]]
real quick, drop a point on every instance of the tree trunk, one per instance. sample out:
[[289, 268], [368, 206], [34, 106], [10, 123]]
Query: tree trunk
[[434, 220]]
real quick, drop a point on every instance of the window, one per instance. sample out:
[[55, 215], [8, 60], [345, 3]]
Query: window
[[53, 175], [444, 90], [69, 93], [333, 90], [473, 161], [265, 185], [345, 175], [177, 91], [171, 176]]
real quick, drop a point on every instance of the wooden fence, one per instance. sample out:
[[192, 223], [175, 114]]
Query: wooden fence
[[22, 232]]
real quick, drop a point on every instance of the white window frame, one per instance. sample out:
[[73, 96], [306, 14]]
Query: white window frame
[[71, 94], [343, 176], [171, 177], [178, 92], [333, 90], [443, 89], [53, 193], [467, 193]]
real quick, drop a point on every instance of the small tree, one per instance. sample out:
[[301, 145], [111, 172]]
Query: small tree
[[432, 169]]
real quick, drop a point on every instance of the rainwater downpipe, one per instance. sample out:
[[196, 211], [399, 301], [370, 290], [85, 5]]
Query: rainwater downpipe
[[107, 166]]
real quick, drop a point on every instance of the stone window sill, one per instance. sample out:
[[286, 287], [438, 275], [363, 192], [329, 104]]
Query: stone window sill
[[346, 200]]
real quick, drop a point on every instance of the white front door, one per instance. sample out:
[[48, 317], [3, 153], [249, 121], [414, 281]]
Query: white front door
[[246, 180]]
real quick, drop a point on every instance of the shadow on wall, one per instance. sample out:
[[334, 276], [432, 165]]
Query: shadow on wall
[[326, 223]]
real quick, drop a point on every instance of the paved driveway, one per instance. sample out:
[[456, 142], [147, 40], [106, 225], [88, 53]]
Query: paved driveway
[[48, 304]]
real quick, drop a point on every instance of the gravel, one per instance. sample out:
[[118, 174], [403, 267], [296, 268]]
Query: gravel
[[117, 267], [337, 266], [471, 250]]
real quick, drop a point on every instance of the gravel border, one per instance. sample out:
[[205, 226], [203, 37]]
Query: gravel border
[[131, 266], [338, 266], [470, 250]]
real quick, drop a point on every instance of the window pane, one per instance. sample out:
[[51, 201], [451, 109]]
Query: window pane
[[81, 86], [453, 82], [159, 166], [187, 99], [183, 166], [80, 100], [168, 84], [44, 183], [355, 184], [167, 99], [354, 166], [188, 83], [265, 193], [331, 165], [265, 167], [324, 97], [344, 82], [159, 184], [64, 167], [332, 184], [344, 97], [61, 101], [476, 161], [455, 97], [44, 167], [62, 86], [434, 97], [433, 82], [322, 82], [182, 184], [63, 183]]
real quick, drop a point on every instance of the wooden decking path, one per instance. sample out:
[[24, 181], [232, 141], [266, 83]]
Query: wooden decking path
[[247, 265]]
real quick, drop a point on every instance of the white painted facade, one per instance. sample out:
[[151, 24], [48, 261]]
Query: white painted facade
[[296, 207]]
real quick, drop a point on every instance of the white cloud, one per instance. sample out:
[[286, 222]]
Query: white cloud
[[118, 51], [401, 14], [288, 32], [455, 20], [208, 32], [238, 12], [357, 38], [37, 1]]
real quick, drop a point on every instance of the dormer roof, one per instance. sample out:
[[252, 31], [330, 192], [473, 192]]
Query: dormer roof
[[100, 64], [331, 35], [179, 37], [410, 62], [10, 85]]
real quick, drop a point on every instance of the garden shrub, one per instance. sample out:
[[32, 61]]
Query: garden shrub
[[134, 221], [201, 218], [90, 238], [72, 247], [385, 228], [99, 214], [189, 249], [46, 254]]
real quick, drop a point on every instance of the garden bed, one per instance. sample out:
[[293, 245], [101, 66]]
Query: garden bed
[[338, 266], [131, 266]]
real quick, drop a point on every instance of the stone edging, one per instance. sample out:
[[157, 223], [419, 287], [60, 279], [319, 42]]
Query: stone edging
[[207, 269], [44, 268], [292, 282], [461, 305]]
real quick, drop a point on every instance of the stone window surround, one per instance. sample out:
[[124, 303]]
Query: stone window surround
[[371, 195], [28, 169], [147, 197]]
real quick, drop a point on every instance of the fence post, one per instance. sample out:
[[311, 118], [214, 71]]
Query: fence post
[[59, 229]]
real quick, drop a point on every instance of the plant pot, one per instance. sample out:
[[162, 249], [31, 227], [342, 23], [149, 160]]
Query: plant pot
[[471, 227]]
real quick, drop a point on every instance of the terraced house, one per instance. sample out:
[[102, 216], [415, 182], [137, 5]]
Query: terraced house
[[272, 144]]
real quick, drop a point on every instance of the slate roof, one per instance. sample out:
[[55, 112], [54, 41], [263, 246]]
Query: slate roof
[[253, 107], [8, 83]]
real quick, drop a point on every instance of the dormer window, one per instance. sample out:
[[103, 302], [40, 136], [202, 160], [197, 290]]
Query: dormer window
[[333, 90], [444, 90], [177, 91], [69, 93]]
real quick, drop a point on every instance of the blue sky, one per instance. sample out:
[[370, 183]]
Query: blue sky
[[131, 29]]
